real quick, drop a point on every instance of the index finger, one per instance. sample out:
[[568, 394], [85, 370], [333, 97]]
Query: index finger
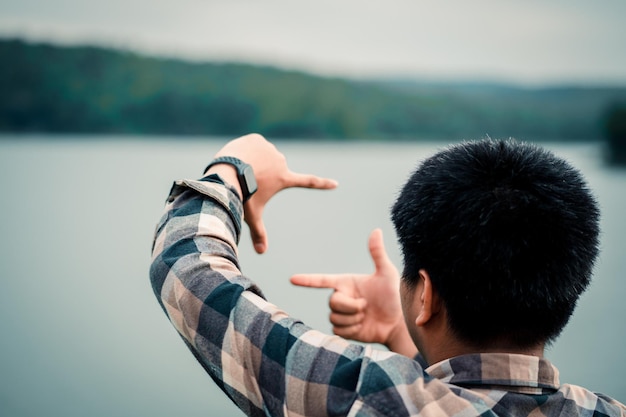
[[315, 280], [311, 181]]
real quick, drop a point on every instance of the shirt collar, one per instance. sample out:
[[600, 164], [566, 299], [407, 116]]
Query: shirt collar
[[509, 372]]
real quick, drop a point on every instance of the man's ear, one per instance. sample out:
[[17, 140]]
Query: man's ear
[[427, 300]]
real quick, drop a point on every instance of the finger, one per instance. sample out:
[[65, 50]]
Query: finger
[[343, 320], [377, 249], [344, 304], [348, 332], [310, 181], [316, 280]]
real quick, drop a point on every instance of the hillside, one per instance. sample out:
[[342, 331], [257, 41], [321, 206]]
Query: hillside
[[47, 88]]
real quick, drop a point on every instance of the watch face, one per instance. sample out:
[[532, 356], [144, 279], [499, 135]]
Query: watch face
[[248, 175]]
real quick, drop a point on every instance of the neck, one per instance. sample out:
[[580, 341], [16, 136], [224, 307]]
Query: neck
[[448, 347]]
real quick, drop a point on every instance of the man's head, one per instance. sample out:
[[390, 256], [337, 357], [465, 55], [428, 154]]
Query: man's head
[[508, 234]]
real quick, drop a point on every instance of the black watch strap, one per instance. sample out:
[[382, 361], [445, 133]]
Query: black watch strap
[[245, 174]]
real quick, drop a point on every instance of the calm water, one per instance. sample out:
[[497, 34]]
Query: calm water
[[82, 334]]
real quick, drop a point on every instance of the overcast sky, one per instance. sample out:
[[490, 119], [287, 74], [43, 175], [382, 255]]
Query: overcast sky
[[524, 41]]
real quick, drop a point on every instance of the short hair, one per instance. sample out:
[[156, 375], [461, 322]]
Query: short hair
[[508, 234]]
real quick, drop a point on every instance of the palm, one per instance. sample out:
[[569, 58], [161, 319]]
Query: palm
[[382, 313]]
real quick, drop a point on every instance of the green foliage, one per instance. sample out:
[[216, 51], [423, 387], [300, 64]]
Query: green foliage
[[87, 89]]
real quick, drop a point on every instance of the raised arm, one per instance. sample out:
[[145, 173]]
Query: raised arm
[[259, 356], [365, 307]]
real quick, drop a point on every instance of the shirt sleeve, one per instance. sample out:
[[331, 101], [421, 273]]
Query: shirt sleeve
[[264, 360]]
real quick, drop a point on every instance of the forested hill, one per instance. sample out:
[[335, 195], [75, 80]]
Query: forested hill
[[46, 88]]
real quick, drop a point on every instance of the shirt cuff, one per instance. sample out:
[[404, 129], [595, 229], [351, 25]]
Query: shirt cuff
[[216, 189]]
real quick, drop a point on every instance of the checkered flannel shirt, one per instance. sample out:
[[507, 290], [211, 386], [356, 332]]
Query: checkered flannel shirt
[[269, 363]]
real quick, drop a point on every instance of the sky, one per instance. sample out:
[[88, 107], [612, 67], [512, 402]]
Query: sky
[[526, 42]]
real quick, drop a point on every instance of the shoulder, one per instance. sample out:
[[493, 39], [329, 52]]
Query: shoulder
[[584, 399], [393, 384]]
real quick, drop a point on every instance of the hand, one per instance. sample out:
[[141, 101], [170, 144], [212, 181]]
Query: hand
[[364, 307], [272, 175]]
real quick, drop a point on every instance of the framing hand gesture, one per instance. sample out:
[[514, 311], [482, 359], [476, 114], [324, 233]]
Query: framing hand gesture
[[272, 175], [365, 307]]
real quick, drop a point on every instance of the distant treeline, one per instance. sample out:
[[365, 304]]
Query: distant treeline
[[46, 88], [615, 132]]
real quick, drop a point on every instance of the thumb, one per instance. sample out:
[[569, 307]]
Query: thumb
[[257, 231], [377, 250]]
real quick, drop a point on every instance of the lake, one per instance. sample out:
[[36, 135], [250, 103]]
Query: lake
[[83, 335]]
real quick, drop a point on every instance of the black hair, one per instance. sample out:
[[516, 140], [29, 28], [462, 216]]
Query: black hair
[[508, 234]]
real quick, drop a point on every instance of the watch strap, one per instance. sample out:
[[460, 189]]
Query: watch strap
[[240, 166], [230, 160]]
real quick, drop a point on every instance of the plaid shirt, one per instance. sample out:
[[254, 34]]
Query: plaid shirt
[[271, 364]]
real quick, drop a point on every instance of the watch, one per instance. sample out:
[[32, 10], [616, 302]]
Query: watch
[[245, 174]]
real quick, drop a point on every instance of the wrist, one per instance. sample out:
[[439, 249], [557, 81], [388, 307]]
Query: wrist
[[400, 341], [244, 175], [228, 174]]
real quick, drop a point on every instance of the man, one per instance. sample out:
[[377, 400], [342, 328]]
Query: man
[[498, 238]]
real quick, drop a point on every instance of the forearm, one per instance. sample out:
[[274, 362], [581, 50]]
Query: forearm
[[195, 274]]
